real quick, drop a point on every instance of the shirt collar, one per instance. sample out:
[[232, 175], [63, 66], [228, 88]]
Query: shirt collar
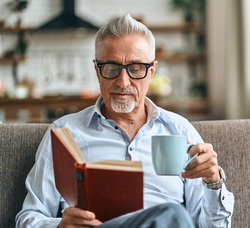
[[96, 112], [152, 110]]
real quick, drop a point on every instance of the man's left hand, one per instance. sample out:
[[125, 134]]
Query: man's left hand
[[205, 165]]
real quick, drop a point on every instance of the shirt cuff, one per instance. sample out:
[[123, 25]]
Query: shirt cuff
[[222, 195], [53, 222]]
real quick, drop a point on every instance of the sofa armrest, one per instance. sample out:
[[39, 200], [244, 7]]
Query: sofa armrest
[[19, 143], [231, 141]]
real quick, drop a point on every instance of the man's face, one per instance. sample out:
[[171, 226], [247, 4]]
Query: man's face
[[124, 94]]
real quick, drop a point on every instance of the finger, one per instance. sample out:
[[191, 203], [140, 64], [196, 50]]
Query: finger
[[206, 156], [205, 170], [78, 222], [91, 223], [209, 175], [79, 213], [200, 148], [188, 142], [209, 158], [75, 216], [205, 166]]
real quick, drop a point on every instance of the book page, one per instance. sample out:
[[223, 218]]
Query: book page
[[67, 139], [69, 142], [116, 165]]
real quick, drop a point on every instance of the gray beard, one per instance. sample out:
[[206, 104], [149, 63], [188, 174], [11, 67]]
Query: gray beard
[[122, 106]]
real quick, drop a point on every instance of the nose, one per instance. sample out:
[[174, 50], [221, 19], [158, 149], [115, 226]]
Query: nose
[[123, 80]]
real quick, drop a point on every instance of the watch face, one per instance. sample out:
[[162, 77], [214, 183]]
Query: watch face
[[222, 174]]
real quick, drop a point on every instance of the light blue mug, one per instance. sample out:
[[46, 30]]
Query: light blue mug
[[169, 154]]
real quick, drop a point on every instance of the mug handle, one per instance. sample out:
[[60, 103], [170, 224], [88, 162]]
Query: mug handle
[[190, 159]]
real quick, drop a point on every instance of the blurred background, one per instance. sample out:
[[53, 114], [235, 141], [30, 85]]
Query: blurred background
[[47, 52]]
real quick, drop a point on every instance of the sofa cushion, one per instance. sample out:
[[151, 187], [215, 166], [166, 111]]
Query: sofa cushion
[[19, 142]]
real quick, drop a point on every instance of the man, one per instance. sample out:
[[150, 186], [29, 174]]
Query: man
[[120, 126]]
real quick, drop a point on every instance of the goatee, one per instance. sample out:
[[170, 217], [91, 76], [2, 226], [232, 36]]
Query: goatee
[[122, 106]]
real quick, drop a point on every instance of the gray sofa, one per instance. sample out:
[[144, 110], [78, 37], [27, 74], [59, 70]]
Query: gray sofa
[[230, 138]]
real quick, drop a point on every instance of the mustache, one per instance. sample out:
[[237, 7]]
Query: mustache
[[123, 90]]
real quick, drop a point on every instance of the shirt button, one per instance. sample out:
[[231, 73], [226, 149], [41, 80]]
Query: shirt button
[[223, 197], [130, 148], [99, 116], [116, 128]]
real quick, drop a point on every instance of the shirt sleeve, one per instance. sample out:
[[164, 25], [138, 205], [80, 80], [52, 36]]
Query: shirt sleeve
[[207, 207], [42, 202]]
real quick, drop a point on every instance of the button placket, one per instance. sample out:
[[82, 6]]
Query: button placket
[[132, 152]]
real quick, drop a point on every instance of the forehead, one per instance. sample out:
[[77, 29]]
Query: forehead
[[125, 49]]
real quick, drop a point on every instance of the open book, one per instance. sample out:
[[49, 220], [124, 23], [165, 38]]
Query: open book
[[109, 188]]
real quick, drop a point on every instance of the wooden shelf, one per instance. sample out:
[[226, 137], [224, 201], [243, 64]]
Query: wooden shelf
[[180, 57], [185, 27], [47, 101], [174, 27], [186, 106], [40, 109], [15, 29], [12, 59]]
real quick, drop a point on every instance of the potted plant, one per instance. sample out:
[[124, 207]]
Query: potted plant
[[189, 7]]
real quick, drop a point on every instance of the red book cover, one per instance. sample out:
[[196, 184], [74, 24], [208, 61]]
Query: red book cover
[[109, 188]]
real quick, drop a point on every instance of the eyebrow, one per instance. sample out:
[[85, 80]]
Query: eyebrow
[[115, 62]]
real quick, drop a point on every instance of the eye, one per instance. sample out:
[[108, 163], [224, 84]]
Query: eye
[[110, 69], [135, 68]]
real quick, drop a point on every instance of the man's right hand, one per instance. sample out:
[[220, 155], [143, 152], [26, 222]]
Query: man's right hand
[[75, 217]]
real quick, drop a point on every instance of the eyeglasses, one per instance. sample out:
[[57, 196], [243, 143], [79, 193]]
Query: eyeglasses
[[110, 70]]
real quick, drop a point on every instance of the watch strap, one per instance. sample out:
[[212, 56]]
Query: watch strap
[[216, 184]]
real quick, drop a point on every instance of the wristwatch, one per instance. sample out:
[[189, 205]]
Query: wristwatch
[[219, 183]]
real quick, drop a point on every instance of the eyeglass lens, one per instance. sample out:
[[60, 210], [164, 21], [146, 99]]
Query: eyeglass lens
[[110, 70]]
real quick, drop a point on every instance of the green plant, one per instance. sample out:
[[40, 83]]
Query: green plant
[[189, 6]]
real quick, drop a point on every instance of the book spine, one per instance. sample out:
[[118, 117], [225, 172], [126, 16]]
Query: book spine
[[81, 191]]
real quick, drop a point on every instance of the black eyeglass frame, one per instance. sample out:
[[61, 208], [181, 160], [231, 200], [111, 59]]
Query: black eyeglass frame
[[121, 66]]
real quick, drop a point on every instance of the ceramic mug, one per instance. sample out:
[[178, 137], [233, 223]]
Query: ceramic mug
[[169, 154]]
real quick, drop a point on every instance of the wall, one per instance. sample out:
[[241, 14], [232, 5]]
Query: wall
[[60, 62], [228, 24]]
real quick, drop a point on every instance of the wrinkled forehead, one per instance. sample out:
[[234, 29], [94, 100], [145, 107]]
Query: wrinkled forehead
[[126, 46]]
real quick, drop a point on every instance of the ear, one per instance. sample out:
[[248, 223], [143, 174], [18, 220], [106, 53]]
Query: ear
[[153, 69], [97, 71], [96, 68], [155, 64]]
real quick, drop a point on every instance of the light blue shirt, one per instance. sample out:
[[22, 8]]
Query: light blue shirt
[[99, 138]]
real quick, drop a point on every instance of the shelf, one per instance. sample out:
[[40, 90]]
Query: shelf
[[185, 27], [188, 107], [12, 59], [180, 57], [15, 29], [171, 28], [48, 109], [47, 101], [45, 109]]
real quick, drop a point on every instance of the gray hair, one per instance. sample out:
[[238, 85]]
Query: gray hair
[[123, 26]]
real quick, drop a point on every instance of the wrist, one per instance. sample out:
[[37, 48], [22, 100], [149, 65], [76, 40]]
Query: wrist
[[216, 185]]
